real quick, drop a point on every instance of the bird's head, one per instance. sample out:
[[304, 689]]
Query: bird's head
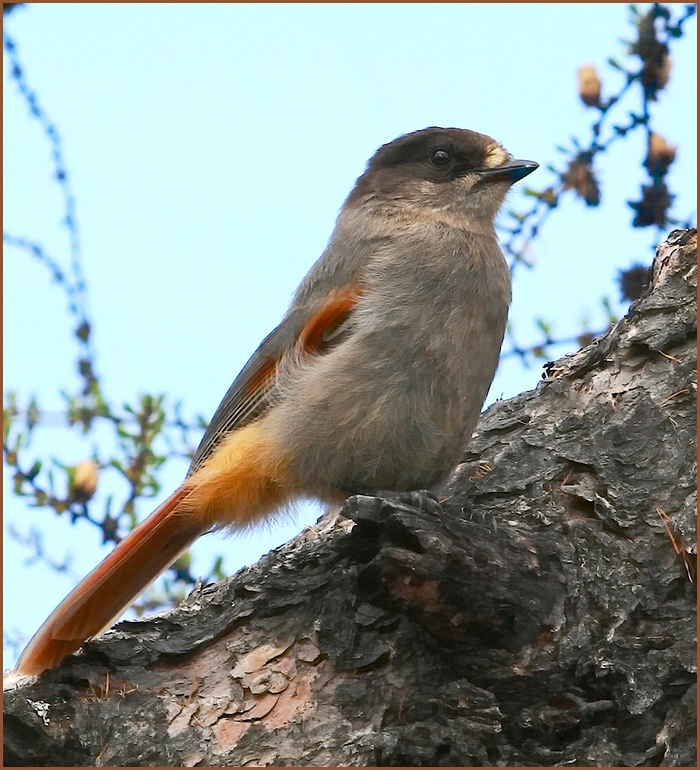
[[441, 172]]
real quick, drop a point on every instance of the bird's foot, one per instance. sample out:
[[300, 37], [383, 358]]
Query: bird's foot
[[422, 499]]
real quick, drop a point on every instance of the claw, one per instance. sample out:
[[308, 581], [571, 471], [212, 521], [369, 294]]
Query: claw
[[422, 499]]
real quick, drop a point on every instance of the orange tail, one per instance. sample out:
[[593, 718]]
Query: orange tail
[[109, 589]]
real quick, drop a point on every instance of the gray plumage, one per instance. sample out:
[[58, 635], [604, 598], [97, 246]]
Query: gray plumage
[[392, 400]]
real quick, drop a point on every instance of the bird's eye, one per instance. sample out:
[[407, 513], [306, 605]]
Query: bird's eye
[[440, 158]]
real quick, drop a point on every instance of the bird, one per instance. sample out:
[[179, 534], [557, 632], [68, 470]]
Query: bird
[[373, 381]]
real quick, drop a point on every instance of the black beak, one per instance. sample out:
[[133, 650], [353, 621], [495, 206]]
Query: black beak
[[511, 171]]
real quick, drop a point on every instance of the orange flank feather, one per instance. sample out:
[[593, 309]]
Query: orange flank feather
[[244, 480]]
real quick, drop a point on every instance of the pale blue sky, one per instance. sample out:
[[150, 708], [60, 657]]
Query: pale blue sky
[[210, 147]]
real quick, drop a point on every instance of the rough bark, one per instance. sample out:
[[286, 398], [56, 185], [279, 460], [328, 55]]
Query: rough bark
[[546, 616]]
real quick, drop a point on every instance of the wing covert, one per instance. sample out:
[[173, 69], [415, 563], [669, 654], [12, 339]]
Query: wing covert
[[252, 392]]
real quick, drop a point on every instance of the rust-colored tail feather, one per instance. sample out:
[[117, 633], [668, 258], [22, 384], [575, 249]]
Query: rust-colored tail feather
[[109, 589]]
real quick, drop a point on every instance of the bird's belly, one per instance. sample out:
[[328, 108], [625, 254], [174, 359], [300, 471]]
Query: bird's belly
[[357, 422]]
